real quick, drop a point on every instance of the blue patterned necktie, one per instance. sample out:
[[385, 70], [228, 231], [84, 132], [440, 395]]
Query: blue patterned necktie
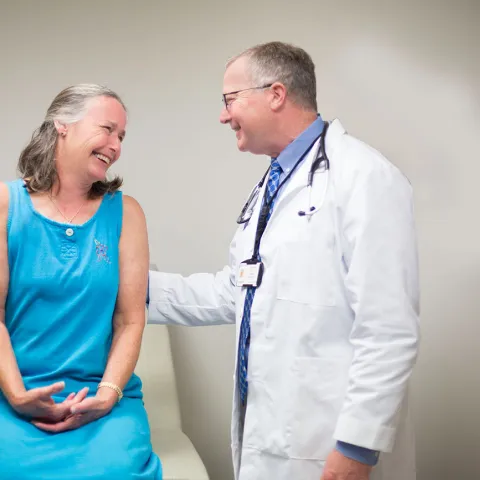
[[244, 340]]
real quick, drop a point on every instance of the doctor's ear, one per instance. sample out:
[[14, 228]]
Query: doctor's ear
[[61, 128], [279, 96]]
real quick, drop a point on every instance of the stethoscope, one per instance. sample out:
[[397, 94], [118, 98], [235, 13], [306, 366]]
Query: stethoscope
[[320, 161]]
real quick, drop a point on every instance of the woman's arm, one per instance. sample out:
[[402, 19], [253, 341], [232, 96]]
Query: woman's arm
[[11, 382], [129, 318]]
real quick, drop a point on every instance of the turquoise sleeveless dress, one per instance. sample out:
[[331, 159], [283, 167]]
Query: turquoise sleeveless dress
[[63, 287]]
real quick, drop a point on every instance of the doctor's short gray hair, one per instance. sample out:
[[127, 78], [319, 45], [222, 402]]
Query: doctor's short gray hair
[[36, 164], [285, 63]]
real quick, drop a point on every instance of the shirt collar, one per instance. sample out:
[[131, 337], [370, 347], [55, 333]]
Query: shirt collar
[[293, 151]]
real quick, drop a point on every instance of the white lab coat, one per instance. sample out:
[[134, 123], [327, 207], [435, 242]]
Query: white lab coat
[[334, 324]]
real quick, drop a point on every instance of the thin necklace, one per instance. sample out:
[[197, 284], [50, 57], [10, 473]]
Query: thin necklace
[[68, 220]]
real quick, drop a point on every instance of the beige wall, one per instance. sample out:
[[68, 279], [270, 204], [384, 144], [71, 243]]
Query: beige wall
[[402, 76]]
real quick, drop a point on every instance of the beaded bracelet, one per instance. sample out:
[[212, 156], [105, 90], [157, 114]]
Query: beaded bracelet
[[113, 387]]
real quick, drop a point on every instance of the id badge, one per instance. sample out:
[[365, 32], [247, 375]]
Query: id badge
[[250, 273]]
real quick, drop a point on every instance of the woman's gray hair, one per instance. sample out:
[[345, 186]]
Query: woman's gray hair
[[281, 62], [36, 164]]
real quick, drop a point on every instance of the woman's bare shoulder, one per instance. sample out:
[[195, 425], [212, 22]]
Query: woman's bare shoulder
[[131, 206], [3, 199]]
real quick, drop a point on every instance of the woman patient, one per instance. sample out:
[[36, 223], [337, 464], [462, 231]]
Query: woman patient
[[73, 280]]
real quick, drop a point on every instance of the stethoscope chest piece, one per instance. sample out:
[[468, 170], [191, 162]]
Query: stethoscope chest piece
[[320, 164]]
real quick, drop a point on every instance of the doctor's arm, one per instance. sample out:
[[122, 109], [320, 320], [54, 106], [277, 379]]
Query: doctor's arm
[[380, 253], [196, 300]]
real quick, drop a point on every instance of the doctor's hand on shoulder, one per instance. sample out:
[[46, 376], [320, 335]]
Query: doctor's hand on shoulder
[[340, 467]]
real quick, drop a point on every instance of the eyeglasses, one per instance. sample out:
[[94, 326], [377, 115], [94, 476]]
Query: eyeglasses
[[227, 102]]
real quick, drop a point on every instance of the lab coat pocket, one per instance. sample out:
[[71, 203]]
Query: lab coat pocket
[[306, 272], [316, 397]]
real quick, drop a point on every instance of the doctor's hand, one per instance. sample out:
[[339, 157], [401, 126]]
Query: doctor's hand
[[83, 412], [38, 403], [340, 467]]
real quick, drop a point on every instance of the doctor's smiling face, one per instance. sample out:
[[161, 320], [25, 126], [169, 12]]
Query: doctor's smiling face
[[247, 108]]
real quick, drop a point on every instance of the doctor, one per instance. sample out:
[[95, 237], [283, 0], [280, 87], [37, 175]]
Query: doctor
[[322, 284]]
